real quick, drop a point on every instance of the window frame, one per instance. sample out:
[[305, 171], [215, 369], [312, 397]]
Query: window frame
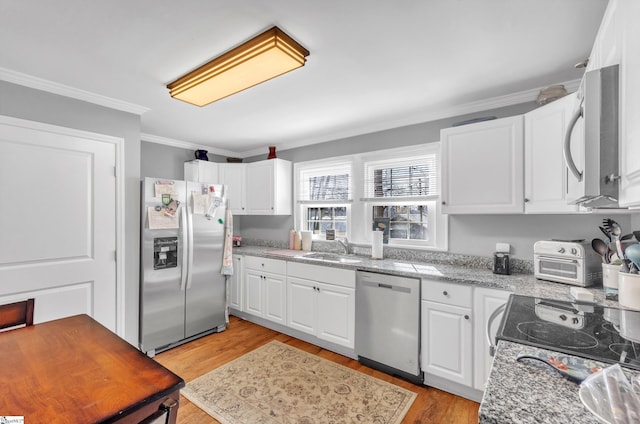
[[303, 171], [359, 230], [437, 223]]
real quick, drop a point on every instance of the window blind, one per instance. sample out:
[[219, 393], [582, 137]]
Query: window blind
[[329, 184], [415, 177]]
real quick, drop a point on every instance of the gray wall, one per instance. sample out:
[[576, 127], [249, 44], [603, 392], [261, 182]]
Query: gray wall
[[163, 161], [468, 234], [35, 105]]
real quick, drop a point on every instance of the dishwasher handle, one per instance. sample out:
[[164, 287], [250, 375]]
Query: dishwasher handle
[[492, 317], [386, 286]]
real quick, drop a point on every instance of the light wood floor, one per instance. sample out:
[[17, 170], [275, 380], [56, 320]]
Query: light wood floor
[[200, 356]]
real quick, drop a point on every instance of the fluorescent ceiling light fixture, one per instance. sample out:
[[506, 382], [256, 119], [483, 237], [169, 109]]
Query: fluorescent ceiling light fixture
[[265, 56]]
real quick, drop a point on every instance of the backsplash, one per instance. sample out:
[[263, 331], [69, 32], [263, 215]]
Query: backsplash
[[518, 266]]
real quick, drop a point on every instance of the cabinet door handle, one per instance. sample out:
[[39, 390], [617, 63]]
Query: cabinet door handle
[[444, 203], [446, 293], [466, 317]]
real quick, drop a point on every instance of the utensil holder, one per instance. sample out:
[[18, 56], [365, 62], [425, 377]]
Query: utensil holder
[[629, 290], [610, 281]]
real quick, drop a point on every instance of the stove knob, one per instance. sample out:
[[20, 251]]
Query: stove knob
[[574, 251], [561, 250], [563, 317], [575, 320]]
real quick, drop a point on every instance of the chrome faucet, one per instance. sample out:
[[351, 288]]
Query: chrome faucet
[[345, 244]]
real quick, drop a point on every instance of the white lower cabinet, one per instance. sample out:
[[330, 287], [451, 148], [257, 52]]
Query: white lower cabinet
[[447, 330], [236, 284], [265, 288], [325, 310], [454, 348], [485, 302]]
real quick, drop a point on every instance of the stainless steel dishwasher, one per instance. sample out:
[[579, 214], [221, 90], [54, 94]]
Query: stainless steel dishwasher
[[388, 324]]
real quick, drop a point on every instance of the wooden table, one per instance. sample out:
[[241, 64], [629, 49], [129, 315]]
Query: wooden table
[[74, 370]]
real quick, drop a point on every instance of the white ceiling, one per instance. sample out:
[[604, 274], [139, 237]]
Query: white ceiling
[[374, 64]]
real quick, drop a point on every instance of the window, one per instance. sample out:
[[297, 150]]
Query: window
[[397, 189], [320, 219], [406, 222], [324, 196], [402, 194]]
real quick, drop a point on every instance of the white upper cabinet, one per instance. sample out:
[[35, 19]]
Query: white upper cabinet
[[606, 47], [258, 188], [618, 42], [627, 13], [545, 172], [483, 167], [269, 187], [201, 171], [233, 176]]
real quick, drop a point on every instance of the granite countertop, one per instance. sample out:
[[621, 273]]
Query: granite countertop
[[517, 392], [531, 392], [472, 274]]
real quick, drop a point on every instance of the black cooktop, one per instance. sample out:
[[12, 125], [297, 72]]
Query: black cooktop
[[597, 332]]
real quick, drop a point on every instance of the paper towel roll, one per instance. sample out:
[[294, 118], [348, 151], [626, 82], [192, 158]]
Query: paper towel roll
[[376, 244], [306, 240]]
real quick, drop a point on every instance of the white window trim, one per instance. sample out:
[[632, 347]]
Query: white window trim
[[317, 167], [359, 231]]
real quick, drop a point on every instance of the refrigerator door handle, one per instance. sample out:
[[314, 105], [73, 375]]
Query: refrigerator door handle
[[189, 213], [185, 250]]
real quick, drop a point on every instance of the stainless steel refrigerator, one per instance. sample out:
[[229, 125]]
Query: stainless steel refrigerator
[[182, 289]]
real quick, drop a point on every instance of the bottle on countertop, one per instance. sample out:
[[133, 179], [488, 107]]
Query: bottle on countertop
[[297, 241], [292, 239]]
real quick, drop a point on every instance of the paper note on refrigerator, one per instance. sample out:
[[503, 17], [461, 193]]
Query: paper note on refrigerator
[[158, 219], [201, 203], [164, 187]]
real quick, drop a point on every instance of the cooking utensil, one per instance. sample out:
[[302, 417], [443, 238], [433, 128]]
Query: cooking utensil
[[626, 237], [632, 252], [602, 249], [622, 246], [615, 230], [637, 235], [605, 232], [570, 368]]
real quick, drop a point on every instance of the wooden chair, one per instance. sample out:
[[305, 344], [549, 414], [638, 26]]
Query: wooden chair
[[17, 313]]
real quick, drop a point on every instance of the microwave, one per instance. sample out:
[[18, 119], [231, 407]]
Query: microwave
[[591, 141], [567, 261]]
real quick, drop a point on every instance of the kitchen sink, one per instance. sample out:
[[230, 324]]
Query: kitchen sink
[[332, 258]]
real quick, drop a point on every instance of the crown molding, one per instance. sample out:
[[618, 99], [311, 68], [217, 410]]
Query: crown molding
[[419, 118], [416, 118], [67, 91], [150, 138]]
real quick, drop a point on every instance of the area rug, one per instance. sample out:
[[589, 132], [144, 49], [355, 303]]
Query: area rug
[[277, 383]]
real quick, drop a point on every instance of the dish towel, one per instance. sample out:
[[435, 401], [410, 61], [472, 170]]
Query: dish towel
[[227, 259]]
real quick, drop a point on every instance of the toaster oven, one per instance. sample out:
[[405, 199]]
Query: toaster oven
[[567, 261]]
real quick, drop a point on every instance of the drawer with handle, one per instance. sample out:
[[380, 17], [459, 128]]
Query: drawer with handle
[[275, 266], [448, 293]]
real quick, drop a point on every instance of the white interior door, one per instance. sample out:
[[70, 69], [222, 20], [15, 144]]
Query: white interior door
[[58, 221]]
